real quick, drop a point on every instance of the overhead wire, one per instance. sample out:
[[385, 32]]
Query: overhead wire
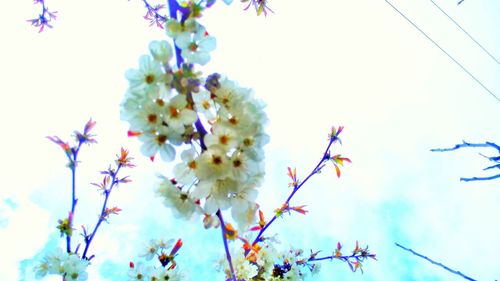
[[466, 33], [444, 51]]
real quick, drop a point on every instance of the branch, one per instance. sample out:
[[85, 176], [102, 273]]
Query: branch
[[65, 226], [355, 260], [153, 15], [436, 263], [226, 247], [480, 178], [296, 186], [494, 159], [44, 18], [103, 216], [466, 144]]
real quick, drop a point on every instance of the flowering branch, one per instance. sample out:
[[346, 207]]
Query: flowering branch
[[333, 137], [355, 260], [65, 226], [69, 264], [436, 263], [44, 18], [110, 179], [165, 108], [494, 159], [173, 7]]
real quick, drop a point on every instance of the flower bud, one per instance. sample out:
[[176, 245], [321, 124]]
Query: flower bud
[[161, 51]]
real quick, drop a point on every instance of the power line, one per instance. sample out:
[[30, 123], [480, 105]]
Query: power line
[[437, 45], [467, 33]]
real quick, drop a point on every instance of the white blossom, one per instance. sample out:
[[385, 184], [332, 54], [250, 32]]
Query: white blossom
[[158, 141], [204, 104], [147, 76], [140, 272], [177, 115], [59, 262], [181, 202], [161, 51], [196, 46], [243, 269], [213, 164], [221, 137], [185, 171]]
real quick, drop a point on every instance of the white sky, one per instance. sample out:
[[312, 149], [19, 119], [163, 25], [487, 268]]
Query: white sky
[[316, 63]]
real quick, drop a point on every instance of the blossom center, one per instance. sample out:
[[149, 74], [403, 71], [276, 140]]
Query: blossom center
[[161, 139], [150, 78], [205, 104], [192, 165], [217, 160], [152, 118], [233, 121], [174, 112], [248, 142], [193, 47], [224, 139], [160, 102]]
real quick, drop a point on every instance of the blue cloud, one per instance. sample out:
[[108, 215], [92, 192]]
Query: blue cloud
[[26, 266], [5, 206]]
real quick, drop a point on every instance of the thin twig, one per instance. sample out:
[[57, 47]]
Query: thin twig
[[226, 247], [325, 157], [436, 263], [494, 159]]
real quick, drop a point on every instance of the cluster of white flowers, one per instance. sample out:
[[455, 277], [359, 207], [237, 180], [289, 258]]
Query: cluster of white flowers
[[222, 125], [157, 248], [69, 266], [144, 272], [265, 262]]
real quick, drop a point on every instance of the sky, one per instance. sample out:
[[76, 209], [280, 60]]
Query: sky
[[317, 64]]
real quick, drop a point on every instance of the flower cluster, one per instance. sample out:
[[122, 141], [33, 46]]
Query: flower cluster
[[157, 248], [265, 262], [70, 266], [168, 105], [220, 125]]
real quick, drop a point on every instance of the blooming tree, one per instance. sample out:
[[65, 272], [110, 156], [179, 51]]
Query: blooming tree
[[218, 128]]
